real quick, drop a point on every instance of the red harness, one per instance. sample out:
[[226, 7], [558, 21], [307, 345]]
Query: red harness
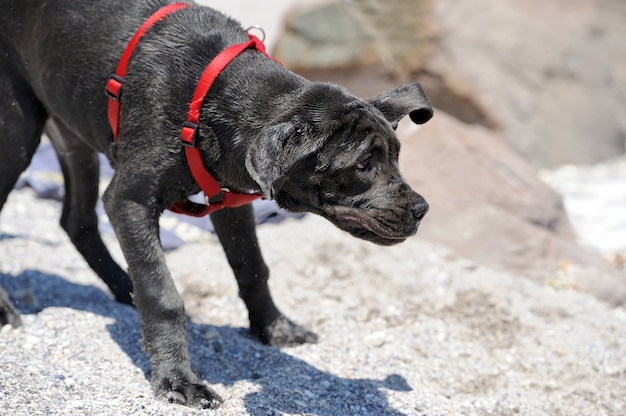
[[189, 129]]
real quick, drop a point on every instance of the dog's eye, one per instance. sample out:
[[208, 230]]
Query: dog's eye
[[365, 165]]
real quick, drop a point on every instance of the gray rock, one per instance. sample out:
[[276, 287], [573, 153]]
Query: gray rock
[[358, 33]]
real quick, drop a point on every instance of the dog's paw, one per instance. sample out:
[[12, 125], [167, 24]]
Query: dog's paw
[[8, 317], [8, 314], [121, 286], [283, 332], [179, 390]]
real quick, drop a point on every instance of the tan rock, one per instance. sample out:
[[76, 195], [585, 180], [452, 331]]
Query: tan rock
[[549, 73], [488, 204]]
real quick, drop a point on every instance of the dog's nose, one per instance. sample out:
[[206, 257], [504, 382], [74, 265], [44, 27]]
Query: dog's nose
[[420, 209]]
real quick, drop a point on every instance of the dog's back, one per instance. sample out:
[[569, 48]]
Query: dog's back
[[65, 50]]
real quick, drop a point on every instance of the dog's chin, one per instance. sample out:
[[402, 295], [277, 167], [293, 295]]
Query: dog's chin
[[367, 228]]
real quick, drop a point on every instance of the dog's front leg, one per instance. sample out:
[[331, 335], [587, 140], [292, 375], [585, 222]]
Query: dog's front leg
[[236, 230], [131, 207]]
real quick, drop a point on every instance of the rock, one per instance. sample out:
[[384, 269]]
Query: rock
[[488, 204], [362, 43], [376, 339], [549, 75], [360, 32]]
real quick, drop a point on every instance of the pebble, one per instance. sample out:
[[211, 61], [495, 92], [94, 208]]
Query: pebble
[[299, 403], [30, 342], [325, 384], [209, 335], [376, 339]]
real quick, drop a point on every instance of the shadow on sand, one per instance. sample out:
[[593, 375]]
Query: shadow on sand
[[215, 350]]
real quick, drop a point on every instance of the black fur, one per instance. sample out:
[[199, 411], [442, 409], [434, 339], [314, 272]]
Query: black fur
[[313, 147]]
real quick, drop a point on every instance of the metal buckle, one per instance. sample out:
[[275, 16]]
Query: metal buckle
[[260, 29]]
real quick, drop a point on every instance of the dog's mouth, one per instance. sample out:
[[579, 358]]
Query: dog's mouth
[[380, 231]]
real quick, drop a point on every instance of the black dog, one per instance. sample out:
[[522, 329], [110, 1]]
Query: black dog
[[312, 147]]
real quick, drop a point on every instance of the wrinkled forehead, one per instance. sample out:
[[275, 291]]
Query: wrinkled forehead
[[362, 129], [360, 121]]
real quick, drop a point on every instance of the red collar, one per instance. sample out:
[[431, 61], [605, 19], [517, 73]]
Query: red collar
[[189, 129]]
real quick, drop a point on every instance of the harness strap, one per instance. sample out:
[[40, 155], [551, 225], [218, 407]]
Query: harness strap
[[189, 134], [113, 87], [189, 130]]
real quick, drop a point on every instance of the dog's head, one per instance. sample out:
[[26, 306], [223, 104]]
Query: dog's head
[[337, 156]]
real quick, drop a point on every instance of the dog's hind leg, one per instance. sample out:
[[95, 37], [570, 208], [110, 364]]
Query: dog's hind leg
[[22, 118], [236, 231], [8, 314], [81, 171]]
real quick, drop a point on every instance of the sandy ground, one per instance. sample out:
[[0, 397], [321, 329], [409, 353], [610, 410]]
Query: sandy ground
[[407, 330]]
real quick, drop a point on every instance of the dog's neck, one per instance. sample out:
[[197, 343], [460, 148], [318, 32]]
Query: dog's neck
[[266, 92]]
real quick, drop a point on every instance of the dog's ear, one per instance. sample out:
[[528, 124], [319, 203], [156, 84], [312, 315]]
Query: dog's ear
[[274, 153], [263, 158], [406, 99]]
